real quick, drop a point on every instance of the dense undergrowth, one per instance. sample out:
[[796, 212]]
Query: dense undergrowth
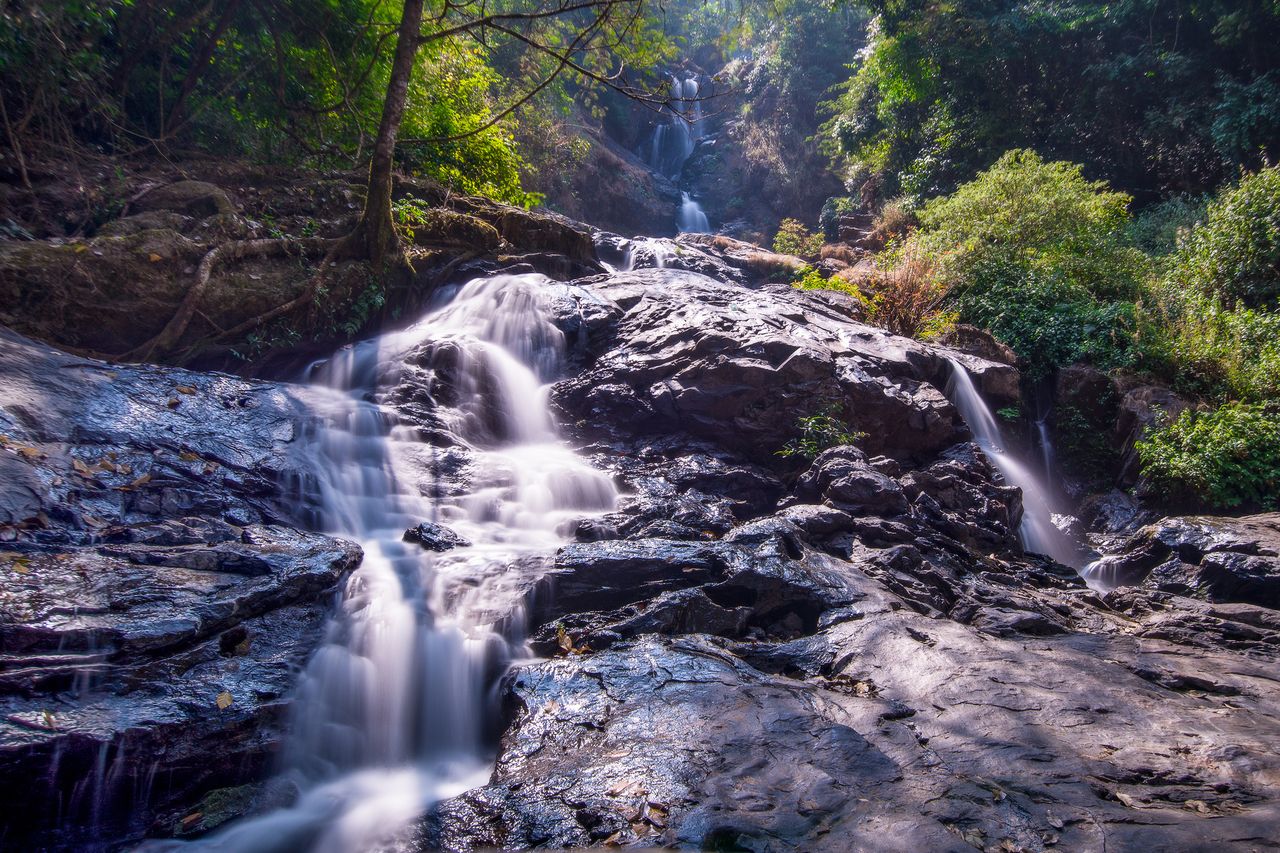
[[1056, 266]]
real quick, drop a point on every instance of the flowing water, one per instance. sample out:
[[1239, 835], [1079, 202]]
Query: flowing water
[[391, 710], [1038, 531], [672, 145]]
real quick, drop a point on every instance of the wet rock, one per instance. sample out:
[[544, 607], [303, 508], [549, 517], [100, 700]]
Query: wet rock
[[1219, 559], [737, 367], [1141, 410], [431, 536], [978, 342], [842, 476], [152, 566]]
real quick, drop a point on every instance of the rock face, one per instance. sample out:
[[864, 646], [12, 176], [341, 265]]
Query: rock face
[[853, 655], [684, 353], [750, 652], [1218, 559], [158, 599]]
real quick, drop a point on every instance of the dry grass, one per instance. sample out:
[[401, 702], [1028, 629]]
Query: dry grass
[[906, 298]]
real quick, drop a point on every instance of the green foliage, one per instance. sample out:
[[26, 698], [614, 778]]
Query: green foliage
[[1207, 349], [811, 278], [820, 432], [1235, 253], [1037, 254], [1227, 459], [793, 238], [1045, 319], [1158, 229], [832, 210], [1011, 414], [1153, 95], [1047, 216]]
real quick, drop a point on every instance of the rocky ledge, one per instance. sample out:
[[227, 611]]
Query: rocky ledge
[[854, 654], [849, 652], [158, 601]]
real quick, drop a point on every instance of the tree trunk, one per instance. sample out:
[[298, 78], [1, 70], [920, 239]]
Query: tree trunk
[[375, 236]]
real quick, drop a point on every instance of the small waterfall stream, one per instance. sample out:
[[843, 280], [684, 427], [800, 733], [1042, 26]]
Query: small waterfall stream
[[390, 712], [1038, 532], [673, 143]]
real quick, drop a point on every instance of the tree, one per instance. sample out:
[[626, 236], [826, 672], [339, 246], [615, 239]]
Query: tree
[[582, 26]]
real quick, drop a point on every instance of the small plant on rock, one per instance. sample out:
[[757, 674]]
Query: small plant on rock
[[819, 432]]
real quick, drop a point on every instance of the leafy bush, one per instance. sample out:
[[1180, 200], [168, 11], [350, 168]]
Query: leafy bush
[[793, 238], [1158, 229], [1225, 459], [1047, 215], [1207, 349], [820, 432], [1046, 320], [1235, 252], [832, 209]]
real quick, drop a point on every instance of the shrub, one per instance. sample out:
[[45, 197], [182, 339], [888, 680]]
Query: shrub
[[1044, 214], [832, 209], [1235, 253], [820, 432], [1158, 229], [1207, 349], [793, 238], [1045, 318], [907, 297], [1225, 459]]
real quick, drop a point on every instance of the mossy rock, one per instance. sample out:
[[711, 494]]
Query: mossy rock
[[148, 221], [191, 198], [450, 228]]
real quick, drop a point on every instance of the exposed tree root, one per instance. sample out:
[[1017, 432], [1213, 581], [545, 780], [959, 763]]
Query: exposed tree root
[[173, 331]]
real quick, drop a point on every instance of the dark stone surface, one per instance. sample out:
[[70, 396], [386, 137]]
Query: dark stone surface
[[150, 566], [1218, 559], [431, 536], [736, 367]]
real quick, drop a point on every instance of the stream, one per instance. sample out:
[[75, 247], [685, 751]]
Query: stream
[[391, 711]]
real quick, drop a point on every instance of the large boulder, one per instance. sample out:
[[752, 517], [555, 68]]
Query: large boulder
[[1219, 559], [738, 367], [199, 199], [159, 601]]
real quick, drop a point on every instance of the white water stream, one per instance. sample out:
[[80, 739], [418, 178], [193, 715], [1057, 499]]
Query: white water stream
[[391, 710], [673, 143], [1038, 532]]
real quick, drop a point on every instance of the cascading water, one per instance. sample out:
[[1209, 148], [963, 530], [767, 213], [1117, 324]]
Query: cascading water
[[673, 143], [389, 714], [1038, 532], [692, 219]]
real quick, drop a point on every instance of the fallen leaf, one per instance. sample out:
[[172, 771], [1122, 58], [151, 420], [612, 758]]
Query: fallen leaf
[[192, 819], [81, 248], [224, 700], [82, 469], [48, 718], [22, 565], [188, 456], [173, 403], [141, 481], [29, 451], [153, 257], [185, 389]]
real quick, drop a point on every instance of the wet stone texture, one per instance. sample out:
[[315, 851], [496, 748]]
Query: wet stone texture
[[157, 599], [852, 653], [750, 653]]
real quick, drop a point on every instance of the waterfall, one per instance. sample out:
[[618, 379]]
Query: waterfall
[[673, 143], [691, 219], [390, 711], [1038, 532]]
